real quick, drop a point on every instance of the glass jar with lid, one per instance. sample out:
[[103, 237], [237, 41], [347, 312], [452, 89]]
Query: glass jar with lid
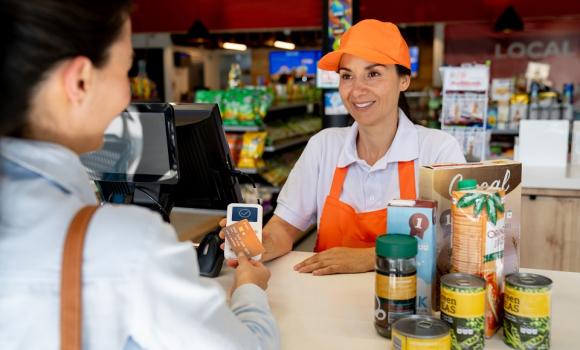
[[395, 281]]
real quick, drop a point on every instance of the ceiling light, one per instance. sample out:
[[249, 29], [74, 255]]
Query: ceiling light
[[234, 46], [284, 45]]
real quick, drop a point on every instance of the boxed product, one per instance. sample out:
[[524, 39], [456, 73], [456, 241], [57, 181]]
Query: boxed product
[[417, 218], [438, 181]]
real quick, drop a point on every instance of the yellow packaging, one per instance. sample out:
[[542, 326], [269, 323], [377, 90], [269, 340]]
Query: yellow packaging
[[401, 342], [252, 150], [419, 332]]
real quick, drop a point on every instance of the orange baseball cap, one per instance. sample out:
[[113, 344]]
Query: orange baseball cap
[[375, 41]]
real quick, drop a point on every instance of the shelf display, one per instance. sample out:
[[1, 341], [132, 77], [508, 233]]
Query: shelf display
[[464, 108], [239, 106]]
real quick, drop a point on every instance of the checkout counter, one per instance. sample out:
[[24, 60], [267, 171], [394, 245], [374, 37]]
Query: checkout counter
[[550, 228], [336, 311]]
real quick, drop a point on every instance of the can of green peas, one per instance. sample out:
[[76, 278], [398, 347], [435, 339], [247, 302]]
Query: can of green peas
[[462, 307], [526, 323]]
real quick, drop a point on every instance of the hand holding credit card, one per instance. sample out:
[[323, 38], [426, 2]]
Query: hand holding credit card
[[243, 239]]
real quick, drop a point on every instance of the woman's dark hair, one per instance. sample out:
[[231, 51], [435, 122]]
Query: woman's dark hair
[[403, 105], [38, 34]]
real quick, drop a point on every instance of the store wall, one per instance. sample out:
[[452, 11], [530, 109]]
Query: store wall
[[555, 42], [177, 15], [429, 11]]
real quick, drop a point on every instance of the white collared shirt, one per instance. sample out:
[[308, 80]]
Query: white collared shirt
[[141, 287], [366, 188]]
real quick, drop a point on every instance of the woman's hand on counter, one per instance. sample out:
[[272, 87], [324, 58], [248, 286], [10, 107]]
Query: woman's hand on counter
[[339, 260]]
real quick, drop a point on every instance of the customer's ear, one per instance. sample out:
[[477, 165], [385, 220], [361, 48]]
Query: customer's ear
[[77, 75]]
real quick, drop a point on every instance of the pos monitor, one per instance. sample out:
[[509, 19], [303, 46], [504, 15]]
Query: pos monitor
[[207, 174], [163, 155]]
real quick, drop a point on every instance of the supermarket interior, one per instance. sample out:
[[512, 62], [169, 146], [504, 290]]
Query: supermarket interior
[[267, 139], [501, 76], [257, 61]]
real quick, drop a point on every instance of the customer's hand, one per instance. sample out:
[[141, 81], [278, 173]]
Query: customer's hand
[[250, 271], [339, 260], [266, 242]]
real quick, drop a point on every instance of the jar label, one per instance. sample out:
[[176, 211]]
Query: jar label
[[395, 287]]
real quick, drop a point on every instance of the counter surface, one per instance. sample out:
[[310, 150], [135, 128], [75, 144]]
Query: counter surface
[[565, 178], [336, 311]]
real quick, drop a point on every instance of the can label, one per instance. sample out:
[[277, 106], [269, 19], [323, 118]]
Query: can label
[[401, 342], [527, 317], [463, 310]]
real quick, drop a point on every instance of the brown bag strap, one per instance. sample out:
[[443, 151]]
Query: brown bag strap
[[71, 279]]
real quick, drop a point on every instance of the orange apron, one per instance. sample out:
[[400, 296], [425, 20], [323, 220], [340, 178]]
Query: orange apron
[[341, 226]]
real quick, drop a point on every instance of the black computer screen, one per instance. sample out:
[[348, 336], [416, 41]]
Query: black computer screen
[[138, 146], [206, 171]]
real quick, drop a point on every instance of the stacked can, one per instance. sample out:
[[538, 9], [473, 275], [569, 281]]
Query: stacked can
[[463, 307], [526, 323]]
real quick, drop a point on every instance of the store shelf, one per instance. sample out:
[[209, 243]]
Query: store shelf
[[235, 128], [283, 144], [288, 105], [505, 132]]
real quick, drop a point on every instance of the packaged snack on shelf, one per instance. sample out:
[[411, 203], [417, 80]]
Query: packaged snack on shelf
[[437, 182], [235, 144], [252, 150], [246, 114], [518, 110], [231, 107], [478, 219], [417, 218], [211, 96]]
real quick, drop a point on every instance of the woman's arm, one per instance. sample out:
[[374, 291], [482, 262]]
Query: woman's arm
[[278, 237]]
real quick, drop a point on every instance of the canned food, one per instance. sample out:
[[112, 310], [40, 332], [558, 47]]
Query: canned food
[[420, 332], [526, 322], [463, 307]]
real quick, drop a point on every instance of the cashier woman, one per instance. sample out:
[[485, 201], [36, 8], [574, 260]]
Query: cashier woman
[[345, 176]]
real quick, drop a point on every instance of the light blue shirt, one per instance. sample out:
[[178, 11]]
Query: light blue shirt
[[141, 287]]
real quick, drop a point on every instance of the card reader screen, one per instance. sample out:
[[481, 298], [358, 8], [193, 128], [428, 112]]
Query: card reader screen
[[241, 213]]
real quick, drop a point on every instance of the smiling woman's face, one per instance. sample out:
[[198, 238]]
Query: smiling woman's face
[[370, 91]]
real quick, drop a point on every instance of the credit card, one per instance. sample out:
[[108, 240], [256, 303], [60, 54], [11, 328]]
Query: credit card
[[243, 239]]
